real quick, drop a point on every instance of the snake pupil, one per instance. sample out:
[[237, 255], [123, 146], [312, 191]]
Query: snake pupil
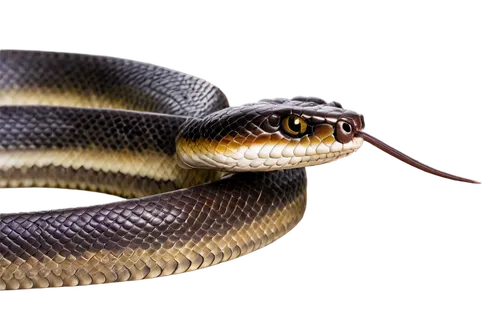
[[346, 127], [294, 124]]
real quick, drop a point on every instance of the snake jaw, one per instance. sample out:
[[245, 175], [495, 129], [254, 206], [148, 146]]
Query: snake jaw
[[265, 153]]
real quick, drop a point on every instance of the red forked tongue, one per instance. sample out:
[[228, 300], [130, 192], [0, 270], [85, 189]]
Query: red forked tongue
[[407, 159]]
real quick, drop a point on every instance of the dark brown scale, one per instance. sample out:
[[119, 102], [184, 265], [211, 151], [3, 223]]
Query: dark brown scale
[[135, 86], [48, 126], [262, 116]]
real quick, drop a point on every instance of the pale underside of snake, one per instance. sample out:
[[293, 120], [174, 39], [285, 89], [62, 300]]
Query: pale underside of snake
[[205, 182]]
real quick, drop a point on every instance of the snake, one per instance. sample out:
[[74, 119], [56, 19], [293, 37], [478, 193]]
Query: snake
[[204, 182]]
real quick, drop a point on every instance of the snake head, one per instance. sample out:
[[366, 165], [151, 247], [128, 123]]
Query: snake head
[[280, 134], [270, 135]]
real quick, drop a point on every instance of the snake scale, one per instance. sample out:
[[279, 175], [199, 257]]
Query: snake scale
[[205, 182]]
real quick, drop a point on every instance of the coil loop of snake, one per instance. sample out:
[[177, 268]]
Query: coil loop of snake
[[206, 182]]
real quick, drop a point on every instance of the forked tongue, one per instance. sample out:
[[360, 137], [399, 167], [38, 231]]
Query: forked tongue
[[407, 159]]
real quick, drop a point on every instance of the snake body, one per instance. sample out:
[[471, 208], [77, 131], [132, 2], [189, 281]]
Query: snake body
[[205, 182]]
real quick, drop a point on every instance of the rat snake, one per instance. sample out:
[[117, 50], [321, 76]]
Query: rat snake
[[171, 145]]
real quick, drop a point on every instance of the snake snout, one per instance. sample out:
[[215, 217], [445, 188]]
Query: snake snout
[[355, 119]]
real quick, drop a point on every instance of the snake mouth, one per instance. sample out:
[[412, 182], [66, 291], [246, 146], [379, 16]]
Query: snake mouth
[[407, 159]]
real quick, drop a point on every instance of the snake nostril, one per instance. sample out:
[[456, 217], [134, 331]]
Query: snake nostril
[[343, 131], [346, 127]]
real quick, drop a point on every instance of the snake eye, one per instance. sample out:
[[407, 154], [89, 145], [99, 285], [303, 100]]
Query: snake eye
[[294, 126], [343, 132]]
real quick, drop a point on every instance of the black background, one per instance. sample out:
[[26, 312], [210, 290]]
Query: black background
[[374, 226]]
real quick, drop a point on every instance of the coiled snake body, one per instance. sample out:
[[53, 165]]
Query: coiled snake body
[[168, 142]]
